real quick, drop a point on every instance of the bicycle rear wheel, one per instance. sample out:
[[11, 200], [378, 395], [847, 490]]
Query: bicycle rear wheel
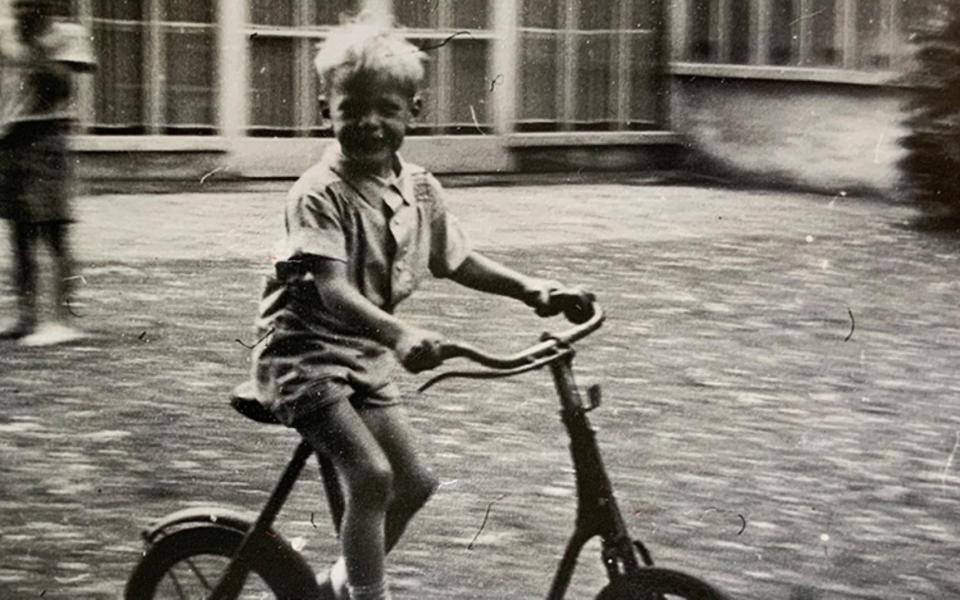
[[188, 563], [654, 583]]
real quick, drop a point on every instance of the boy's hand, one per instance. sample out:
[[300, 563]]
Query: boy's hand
[[549, 298], [419, 349]]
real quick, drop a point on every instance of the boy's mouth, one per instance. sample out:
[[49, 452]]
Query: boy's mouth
[[369, 145]]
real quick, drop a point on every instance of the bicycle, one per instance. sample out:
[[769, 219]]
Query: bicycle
[[255, 549]]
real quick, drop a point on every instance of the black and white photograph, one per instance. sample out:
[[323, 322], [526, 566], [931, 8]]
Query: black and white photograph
[[479, 299]]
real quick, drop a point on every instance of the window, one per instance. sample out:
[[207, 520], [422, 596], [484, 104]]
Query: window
[[588, 66], [156, 66], [852, 34], [458, 45], [284, 36]]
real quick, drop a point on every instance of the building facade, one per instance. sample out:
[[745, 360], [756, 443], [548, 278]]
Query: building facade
[[794, 91], [188, 87]]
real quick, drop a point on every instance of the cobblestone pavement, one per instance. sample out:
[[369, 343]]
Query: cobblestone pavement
[[783, 358]]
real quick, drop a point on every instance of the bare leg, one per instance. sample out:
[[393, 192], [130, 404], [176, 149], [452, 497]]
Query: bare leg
[[414, 483], [56, 237], [342, 435], [24, 278]]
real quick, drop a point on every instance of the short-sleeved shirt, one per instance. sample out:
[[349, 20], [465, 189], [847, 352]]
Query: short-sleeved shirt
[[390, 234], [20, 101]]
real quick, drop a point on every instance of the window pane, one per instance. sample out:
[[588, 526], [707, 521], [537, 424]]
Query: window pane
[[539, 63], [647, 14], [272, 12], [784, 32], [190, 75], [119, 81], [597, 15], [701, 46], [272, 83], [416, 13], [739, 32], [429, 115], [195, 11], [873, 27], [915, 16], [121, 10], [823, 24], [645, 81], [593, 82], [469, 91], [540, 13], [328, 12], [471, 14]]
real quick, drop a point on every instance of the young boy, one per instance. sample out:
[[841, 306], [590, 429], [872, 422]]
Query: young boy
[[38, 56], [363, 227]]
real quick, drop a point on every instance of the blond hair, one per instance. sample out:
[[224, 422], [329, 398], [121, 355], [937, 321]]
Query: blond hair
[[364, 46]]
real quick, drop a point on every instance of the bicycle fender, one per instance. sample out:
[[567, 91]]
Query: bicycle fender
[[300, 573], [209, 515]]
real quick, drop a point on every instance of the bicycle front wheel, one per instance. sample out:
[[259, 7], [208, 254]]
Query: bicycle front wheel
[[654, 583], [188, 564]]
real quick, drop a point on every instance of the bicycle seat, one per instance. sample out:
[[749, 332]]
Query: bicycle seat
[[243, 399]]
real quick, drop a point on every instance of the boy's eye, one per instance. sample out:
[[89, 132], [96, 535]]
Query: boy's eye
[[389, 108], [350, 109]]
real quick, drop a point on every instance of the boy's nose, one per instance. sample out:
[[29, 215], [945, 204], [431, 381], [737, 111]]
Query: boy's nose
[[370, 120]]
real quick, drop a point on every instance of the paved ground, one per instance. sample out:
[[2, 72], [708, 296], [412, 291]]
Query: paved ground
[[736, 384]]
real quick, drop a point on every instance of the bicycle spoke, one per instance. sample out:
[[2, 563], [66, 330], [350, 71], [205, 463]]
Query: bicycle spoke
[[196, 571], [176, 585]]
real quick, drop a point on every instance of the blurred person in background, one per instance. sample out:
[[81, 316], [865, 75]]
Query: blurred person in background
[[39, 54]]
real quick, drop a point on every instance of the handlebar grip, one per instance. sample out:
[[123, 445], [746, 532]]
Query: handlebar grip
[[579, 308]]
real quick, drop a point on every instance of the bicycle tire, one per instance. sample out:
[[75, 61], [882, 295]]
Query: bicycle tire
[[151, 578], [655, 583]]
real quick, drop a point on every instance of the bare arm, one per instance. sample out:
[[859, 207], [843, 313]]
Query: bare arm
[[546, 296], [487, 275], [416, 348]]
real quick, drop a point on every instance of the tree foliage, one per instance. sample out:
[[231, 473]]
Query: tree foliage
[[931, 162]]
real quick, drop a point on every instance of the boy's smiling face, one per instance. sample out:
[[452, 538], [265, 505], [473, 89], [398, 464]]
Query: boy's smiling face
[[370, 116]]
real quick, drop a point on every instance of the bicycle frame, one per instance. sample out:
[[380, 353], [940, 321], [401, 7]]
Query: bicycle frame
[[232, 580], [597, 510]]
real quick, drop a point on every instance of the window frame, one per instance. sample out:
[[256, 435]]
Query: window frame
[[445, 36], [305, 86], [620, 88], [847, 68], [155, 92]]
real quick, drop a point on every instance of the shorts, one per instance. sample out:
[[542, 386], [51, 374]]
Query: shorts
[[300, 371], [35, 173], [309, 404]]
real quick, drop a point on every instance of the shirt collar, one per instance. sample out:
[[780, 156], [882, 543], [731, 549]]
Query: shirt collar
[[370, 186]]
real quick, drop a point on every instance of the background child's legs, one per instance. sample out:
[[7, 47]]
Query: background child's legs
[[55, 234], [23, 238], [339, 433]]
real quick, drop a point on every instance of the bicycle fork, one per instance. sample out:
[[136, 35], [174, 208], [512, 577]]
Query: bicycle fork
[[597, 510]]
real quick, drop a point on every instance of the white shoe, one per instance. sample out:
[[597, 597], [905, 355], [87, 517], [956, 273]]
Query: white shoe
[[53, 334]]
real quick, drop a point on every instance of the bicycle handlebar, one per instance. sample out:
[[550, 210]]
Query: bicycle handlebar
[[533, 357]]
